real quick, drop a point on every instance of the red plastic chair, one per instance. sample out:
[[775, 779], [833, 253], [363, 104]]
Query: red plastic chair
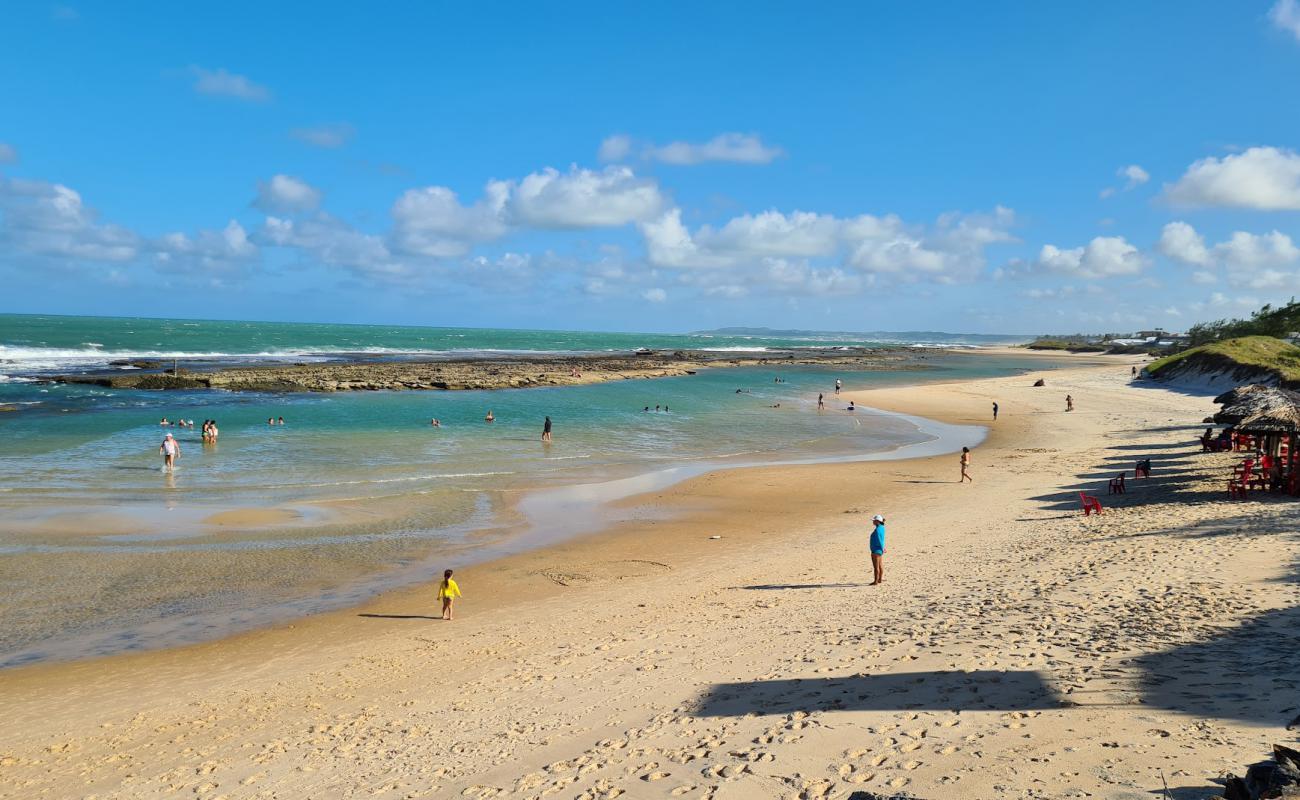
[[1237, 490], [1117, 485], [1142, 469], [1090, 504]]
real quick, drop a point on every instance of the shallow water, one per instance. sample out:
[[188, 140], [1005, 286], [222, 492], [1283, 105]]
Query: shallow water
[[100, 551]]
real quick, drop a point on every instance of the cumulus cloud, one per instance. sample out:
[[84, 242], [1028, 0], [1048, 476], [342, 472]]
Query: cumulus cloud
[[1181, 242], [654, 295], [1285, 15], [1103, 257], [736, 148], [615, 148], [432, 222], [583, 198], [951, 249], [1251, 251], [223, 83], [1264, 178], [333, 242], [285, 194], [1133, 175], [328, 137], [208, 251], [740, 148], [8, 154], [1241, 252], [50, 220]]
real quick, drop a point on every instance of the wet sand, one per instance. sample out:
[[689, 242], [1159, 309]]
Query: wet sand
[[1016, 649]]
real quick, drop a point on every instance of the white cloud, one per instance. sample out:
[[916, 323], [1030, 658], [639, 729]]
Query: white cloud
[[1103, 257], [1264, 178], [1285, 14], [432, 222], [615, 148], [1253, 251], [952, 249], [222, 83], [286, 194], [1181, 242], [582, 198], [654, 295], [1243, 253], [1204, 277], [1134, 175], [329, 137], [740, 148], [8, 154], [333, 242], [209, 251], [50, 220]]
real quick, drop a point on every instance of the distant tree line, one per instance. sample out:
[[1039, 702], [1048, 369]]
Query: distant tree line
[[1278, 322]]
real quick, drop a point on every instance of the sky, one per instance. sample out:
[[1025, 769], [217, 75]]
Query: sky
[[999, 167]]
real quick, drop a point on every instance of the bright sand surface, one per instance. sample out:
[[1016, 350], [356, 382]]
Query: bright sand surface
[[1016, 649]]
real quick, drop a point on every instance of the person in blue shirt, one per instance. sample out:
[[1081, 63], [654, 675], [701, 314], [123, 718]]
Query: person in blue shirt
[[878, 549]]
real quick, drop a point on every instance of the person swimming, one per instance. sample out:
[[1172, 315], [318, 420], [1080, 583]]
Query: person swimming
[[435, 423], [490, 417]]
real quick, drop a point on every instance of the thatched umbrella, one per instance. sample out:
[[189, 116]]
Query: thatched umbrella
[[1265, 409], [1236, 395]]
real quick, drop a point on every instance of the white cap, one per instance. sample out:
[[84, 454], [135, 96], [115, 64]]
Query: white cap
[[877, 518]]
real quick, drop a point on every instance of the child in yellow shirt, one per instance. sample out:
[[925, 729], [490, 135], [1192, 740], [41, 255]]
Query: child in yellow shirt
[[448, 591]]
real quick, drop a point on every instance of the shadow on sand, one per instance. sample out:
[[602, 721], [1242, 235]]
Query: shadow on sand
[[985, 690]]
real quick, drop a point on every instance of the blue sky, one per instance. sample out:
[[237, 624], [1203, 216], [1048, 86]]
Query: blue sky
[[992, 167]]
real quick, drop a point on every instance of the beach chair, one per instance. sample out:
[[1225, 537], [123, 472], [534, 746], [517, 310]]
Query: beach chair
[[1143, 469], [1236, 490], [1090, 504], [1117, 485]]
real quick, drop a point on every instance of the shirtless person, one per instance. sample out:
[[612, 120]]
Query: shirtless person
[[170, 449]]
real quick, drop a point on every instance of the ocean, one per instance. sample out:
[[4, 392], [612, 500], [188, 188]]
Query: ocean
[[102, 552]]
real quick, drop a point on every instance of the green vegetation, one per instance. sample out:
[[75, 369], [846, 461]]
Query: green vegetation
[[1247, 353], [1268, 321], [1062, 344]]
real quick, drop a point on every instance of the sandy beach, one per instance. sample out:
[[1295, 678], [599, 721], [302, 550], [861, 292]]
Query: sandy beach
[[1016, 648]]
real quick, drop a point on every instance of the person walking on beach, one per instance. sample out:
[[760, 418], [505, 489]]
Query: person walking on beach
[[821, 402], [448, 591], [546, 431], [995, 412], [965, 465], [878, 549], [838, 385], [1069, 403], [170, 449]]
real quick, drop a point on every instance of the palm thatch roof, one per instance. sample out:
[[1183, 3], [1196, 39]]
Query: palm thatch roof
[[1260, 408]]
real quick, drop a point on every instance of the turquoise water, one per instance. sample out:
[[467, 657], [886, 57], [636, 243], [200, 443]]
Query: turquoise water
[[101, 551], [30, 344]]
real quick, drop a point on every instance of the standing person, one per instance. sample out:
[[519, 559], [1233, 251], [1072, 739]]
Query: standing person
[[995, 412], [965, 465], [448, 591], [878, 549], [170, 449], [546, 430], [490, 417], [1069, 403], [838, 385], [821, 402]]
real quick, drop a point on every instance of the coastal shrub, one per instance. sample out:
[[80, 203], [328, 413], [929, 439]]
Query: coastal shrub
[[1265, 354]]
